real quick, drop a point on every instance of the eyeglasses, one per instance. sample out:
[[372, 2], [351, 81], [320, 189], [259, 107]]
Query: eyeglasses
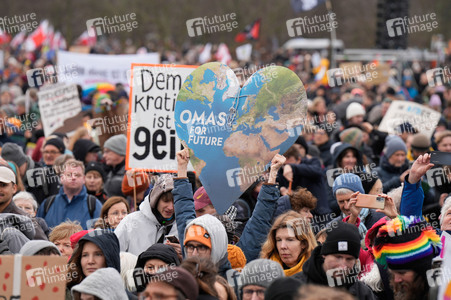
[[247, 293], [201, 248]]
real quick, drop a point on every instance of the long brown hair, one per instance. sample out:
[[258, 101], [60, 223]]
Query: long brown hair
[[302, 231], [205, 271], [103, 219], [74, 271]]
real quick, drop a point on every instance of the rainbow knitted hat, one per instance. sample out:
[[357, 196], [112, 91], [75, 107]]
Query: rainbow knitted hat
[[406, 243]]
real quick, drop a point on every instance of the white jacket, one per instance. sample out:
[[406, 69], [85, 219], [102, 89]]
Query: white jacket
[[140, 230]]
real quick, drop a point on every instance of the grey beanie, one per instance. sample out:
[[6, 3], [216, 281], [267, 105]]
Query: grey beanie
[[394, 144], [262, 272], [32, 247], [104, 283], [117, 144], [14, 153]]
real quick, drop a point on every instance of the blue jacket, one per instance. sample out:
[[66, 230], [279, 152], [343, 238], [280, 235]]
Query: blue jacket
[[257, 228], [412, 199], [75, 210]]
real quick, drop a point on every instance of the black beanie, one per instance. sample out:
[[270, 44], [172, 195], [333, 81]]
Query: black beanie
[[96, 166], [282, 289], [58, 143], [342, 238], [82, 147], [301, 141], [158, 251]]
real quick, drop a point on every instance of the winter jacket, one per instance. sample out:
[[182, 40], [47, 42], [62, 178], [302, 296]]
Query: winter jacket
[[13, 209], [411, 199], [141, 229], [309, 175], [313, 273], [257, 228], [113, 182], [41, 181], [105, 283], [325, 154], [75, 210], [389, 174], [15, 231]]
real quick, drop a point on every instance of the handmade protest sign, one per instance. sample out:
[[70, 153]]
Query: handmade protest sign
[[421, 117], [33, 277], [234, 133], [151, 138], [60, 108]]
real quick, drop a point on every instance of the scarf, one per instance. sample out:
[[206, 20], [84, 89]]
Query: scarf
[[362, 228], [293, 270]]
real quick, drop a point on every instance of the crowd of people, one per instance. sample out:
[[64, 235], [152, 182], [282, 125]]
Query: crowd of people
[[296, 233]]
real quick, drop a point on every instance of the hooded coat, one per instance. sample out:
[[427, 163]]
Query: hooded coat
[[141, 229], [105, 283]]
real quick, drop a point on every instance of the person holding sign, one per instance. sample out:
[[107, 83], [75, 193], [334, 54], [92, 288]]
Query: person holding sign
[[209, 244]]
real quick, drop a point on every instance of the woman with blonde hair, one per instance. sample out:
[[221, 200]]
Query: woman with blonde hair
[[290, 242]]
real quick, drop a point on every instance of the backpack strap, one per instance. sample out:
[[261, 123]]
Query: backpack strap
[[48, 203], [166, 230], [92, 201]]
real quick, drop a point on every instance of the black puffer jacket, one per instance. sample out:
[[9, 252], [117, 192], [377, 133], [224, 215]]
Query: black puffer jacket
[[313, 272]]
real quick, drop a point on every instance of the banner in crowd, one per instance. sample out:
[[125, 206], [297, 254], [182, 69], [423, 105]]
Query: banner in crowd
[[421, 117], [60, 108], [33, 277], [151, 137], [235, 133], [86, 69]]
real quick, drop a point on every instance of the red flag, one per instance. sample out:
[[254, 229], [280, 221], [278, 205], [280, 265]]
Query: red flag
[[86, 40], [18, 39], [4, 37], [38, 36], [251, 32]]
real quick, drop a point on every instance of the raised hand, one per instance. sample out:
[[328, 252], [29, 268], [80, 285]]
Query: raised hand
[[419, 168]]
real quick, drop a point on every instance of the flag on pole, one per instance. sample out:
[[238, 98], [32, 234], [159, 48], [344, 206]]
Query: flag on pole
[[18, 39], [59, 42], [86, 40], [250, 32], [223, 54], [37, 37]]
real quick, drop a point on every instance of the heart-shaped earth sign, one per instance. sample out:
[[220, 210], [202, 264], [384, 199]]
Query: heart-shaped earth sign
[[234, 133]]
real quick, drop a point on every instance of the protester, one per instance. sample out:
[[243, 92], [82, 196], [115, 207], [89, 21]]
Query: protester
[[175, 282], [344, 187], [339, 253], [301, 201], [86, 151], [7, 190], [114, 210], [72, 202], [60, 236], [26, 202], [114, 155], [39, 248], [257, 276], [290, 242], [95, 179], [204, 270], [103, 284], [407, 246], [155, 219]]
